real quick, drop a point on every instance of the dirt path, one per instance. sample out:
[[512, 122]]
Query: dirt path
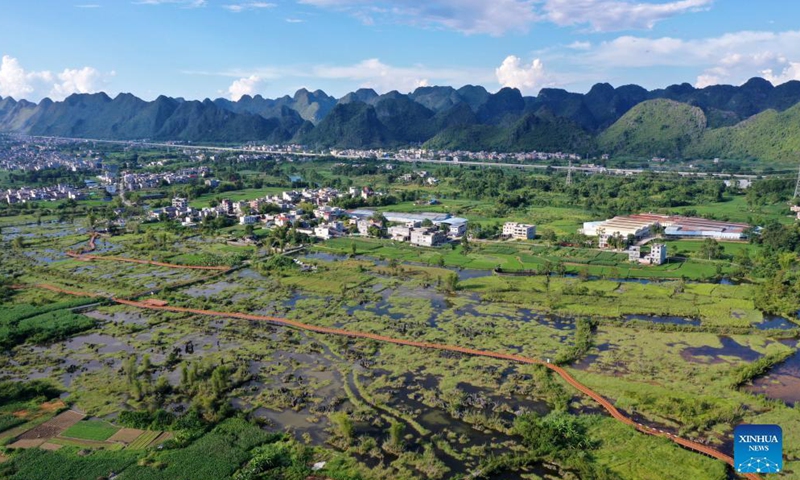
[[83, 254]]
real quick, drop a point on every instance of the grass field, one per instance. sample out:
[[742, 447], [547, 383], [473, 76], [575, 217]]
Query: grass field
[[735, 209], [525, 256], [237, 195], [97, 430]]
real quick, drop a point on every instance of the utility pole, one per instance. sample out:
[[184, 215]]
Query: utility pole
[[797, 186], [569, 175]]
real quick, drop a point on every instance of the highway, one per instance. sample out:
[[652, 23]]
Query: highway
[[472, 163]]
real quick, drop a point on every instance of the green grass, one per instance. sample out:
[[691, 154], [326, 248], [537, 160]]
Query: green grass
[[621, 450], [526, 256], [736, 209], [143, 440], [64, 464], [96, 430], [44, 327], [9, 421], [237, 195], [214, 456]]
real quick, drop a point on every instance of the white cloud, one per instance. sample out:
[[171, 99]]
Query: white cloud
[[241, 7], [372, 73], [498, 17], [16, 82], [577, 45], [245, 86], [612, 15], [88, 5], [183, 3], [84, 80], [340, 79], [494, 17], [527, 78], [790, 72], [729, 58], [295, 20]]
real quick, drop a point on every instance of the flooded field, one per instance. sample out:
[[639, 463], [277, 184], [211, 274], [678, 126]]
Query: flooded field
[[454, 410]]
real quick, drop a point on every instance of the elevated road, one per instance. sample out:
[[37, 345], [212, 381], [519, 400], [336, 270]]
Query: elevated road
[[472, 163]]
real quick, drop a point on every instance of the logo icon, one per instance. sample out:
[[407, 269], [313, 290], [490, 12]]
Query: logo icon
[[758, 449]]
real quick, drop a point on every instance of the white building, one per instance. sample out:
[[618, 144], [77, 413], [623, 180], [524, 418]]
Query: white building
[[519, 231], [425, 237], [400, 233], [455, 226], [657, 255], [328, 230], [249, 219]]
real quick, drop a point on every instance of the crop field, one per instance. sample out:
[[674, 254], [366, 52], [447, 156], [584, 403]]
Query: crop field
[[169, 393], [143, 440], [91, 430]]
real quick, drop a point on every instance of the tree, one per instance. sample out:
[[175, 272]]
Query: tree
[[378, 217], [710, 249], [451, 282], [549, 236], [91, 222], [465, 245]]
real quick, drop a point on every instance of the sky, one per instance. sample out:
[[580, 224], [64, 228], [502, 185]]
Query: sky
[[199, 49]]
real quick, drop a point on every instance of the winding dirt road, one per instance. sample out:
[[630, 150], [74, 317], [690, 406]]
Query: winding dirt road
[[83, 254], [607, 405]]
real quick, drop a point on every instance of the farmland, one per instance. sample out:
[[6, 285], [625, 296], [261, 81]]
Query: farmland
[[103, 386]]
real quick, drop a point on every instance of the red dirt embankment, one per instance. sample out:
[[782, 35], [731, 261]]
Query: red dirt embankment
[[82, 254]]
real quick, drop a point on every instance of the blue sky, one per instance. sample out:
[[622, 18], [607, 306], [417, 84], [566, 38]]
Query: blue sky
[[226, 48]]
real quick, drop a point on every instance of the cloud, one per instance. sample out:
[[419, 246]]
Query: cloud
[[372, 73], [614, 15], [245, 86], [790, 72], [16, 82], [494, 17], [527, 78], [84, 80], [241, 7], [498, 17], [88, 5], [295, 20], [183, 3], [577, 45], [730, 58], [369, 73]]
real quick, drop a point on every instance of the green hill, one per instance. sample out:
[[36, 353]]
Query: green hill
[[769, 136], [532, 132], [654, 128]]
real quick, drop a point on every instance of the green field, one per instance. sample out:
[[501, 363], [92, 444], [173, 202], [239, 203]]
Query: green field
[[237, 195], [97, 430], [526, 256]]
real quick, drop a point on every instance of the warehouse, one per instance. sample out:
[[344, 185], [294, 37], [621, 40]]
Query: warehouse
[[676, 226]]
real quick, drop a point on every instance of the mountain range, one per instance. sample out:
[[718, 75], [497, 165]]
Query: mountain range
[[753, 121]]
